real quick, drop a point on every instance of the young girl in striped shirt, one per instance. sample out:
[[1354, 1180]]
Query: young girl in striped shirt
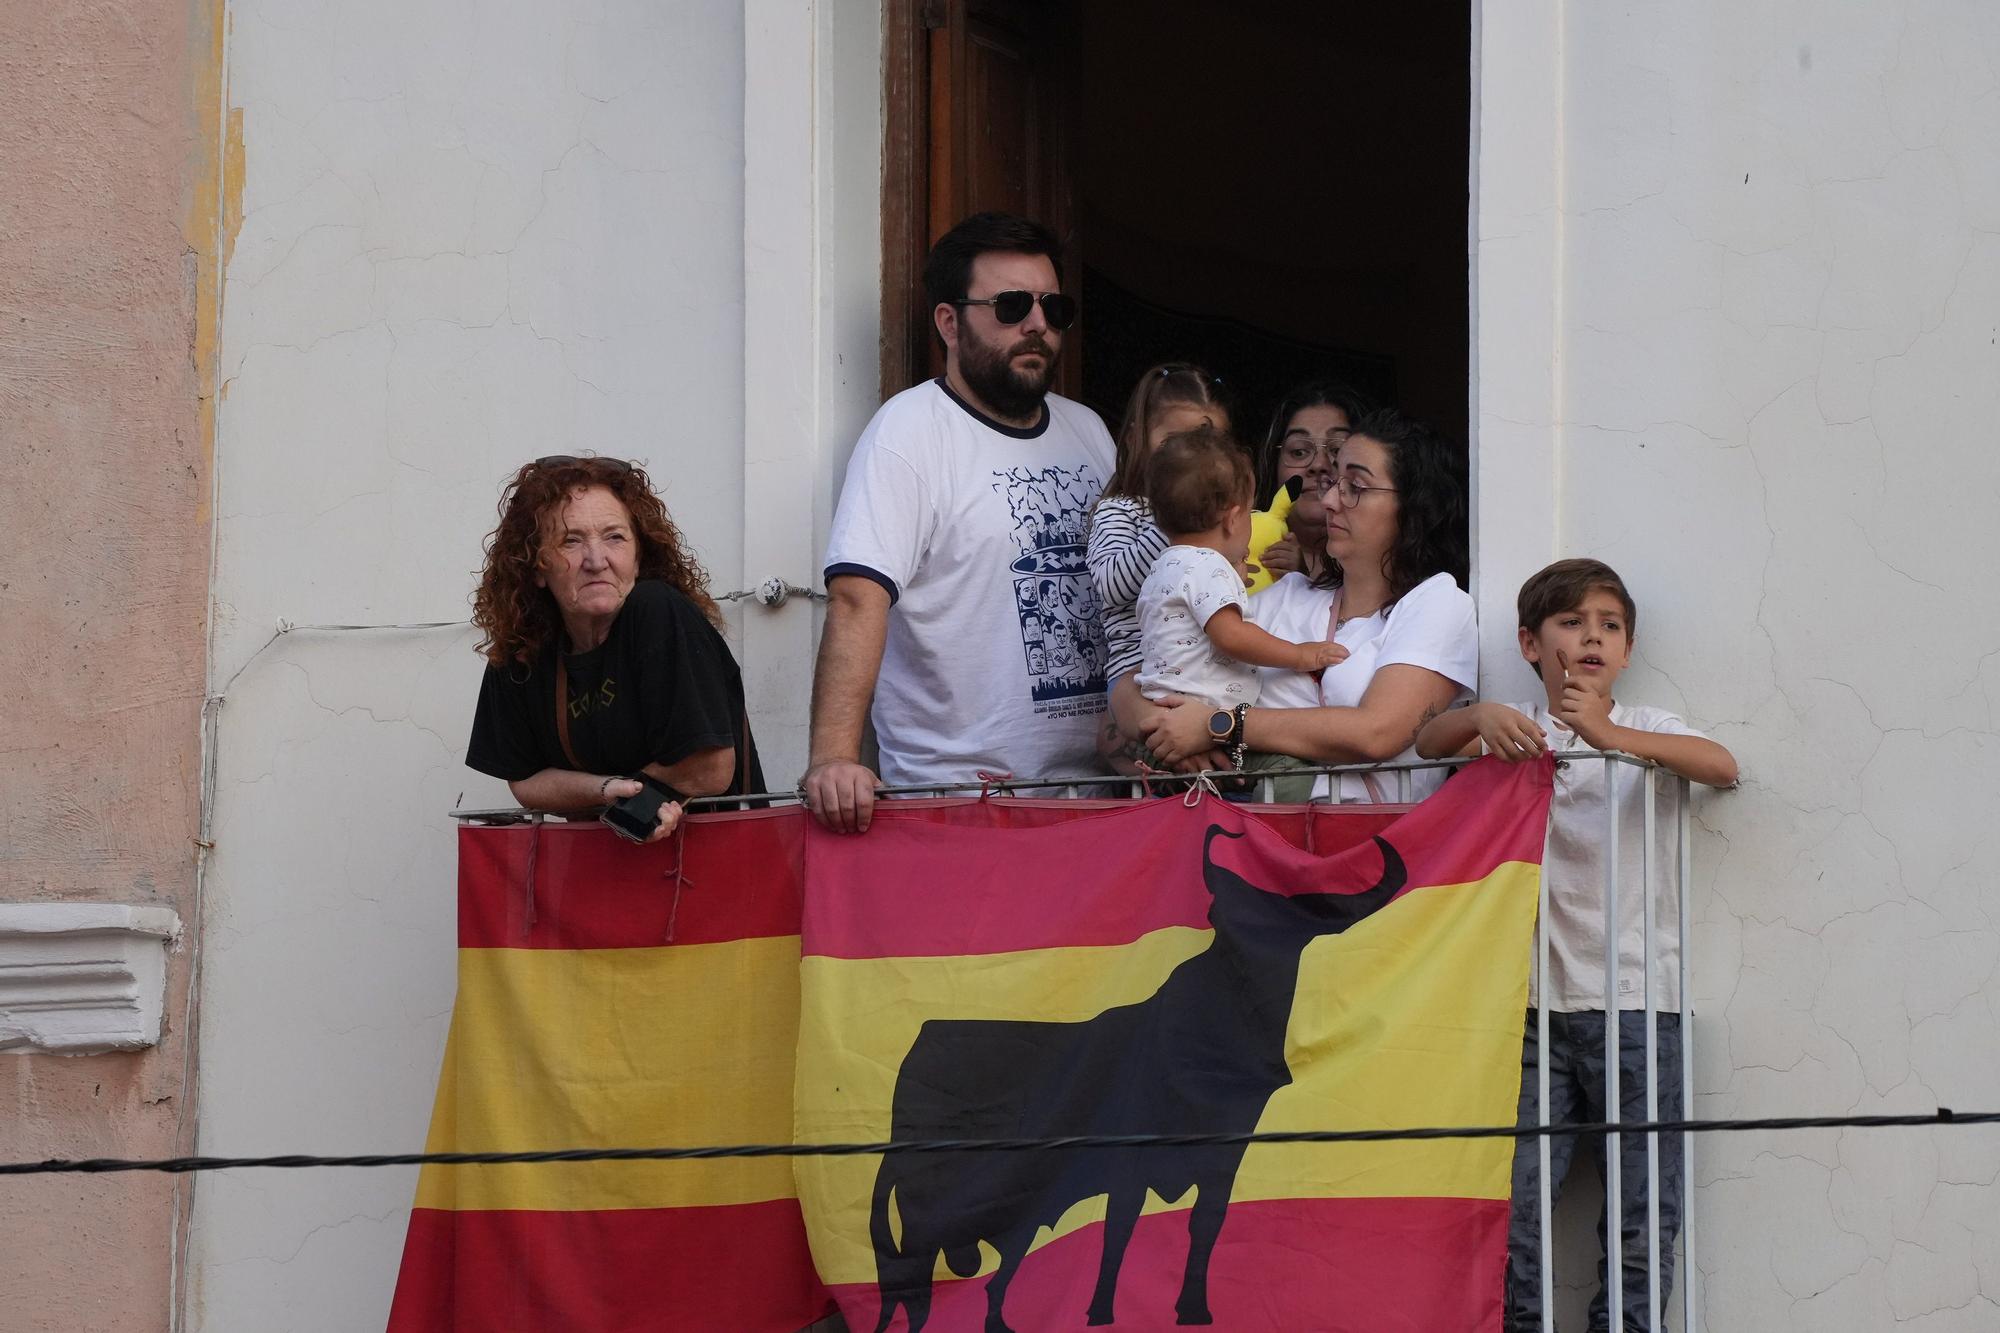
[[1124, 541]]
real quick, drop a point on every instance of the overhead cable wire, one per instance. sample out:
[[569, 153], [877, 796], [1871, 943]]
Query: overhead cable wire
[[1943, 1116]]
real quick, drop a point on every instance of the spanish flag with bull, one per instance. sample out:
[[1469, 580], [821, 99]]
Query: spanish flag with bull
[[1170, 969], [975, 970]]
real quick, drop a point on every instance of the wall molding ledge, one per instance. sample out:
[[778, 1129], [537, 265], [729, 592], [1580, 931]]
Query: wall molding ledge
[[82, 978]]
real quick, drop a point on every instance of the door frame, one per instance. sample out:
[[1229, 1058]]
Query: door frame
[[907, 26]]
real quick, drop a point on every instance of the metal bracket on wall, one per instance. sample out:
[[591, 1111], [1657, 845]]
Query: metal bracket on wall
[[773, 592]]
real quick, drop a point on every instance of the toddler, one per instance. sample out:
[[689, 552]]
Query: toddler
[[1193, 637], [1124, 541]]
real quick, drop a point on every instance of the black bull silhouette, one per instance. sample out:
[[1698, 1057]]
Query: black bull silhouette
[[1201, 1055]]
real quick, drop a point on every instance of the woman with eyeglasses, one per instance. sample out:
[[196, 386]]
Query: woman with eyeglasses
[[1307, 430], [1391, 592], [605, 671]]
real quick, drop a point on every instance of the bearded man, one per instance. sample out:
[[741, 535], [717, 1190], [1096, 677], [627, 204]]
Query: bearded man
[[965, 498]]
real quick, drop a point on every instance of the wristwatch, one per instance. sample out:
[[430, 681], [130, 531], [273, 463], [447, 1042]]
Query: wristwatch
[[1221, 726], [1225, 728]]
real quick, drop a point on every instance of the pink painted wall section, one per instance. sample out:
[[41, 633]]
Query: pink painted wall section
[[112, 208]]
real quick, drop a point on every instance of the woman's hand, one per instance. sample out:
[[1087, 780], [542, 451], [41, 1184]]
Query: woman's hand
[[1135, 716], [664, 823], [1281, 557], [1175, 733], [669, 820]]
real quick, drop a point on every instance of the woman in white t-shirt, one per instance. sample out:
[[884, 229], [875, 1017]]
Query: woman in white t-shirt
[[1392, 595]]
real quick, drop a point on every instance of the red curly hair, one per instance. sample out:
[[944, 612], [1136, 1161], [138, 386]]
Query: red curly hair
[[515, 614]]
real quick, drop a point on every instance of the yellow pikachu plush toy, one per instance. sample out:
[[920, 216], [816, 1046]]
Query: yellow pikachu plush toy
[[1268, 526]]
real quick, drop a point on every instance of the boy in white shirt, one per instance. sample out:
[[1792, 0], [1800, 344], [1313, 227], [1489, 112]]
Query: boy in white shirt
[[1193, 637], [1576, 628]]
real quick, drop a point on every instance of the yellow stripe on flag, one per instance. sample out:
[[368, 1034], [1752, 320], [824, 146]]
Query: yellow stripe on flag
[[865, 1012], [617, 1048], [1386, 1031], [1393, 1027]]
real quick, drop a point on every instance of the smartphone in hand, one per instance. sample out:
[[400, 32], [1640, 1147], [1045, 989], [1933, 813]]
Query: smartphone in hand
[[635, 817]]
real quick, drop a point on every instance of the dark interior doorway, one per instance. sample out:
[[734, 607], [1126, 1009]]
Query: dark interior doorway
[[1277, 191]]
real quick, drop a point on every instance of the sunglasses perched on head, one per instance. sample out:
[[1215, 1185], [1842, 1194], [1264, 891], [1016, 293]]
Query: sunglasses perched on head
[[573, 460], [1058, 308]]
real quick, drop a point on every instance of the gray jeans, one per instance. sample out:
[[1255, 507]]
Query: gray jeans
[[1576, 1094]]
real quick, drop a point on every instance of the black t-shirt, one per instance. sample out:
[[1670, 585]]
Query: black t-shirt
[[660, 687]]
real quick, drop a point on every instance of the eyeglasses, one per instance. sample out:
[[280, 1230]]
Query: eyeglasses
[[1351, 491], [1302, 452], [1058, 308], [572, 460]]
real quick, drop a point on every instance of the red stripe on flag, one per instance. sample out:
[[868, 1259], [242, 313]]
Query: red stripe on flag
[[910, 889], [1334, 827], [1338, 1265], [593, 890], [738, 876], [739, 1267], [581, 886]]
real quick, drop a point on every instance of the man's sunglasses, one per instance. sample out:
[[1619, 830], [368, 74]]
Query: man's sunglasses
[[1013, 307]]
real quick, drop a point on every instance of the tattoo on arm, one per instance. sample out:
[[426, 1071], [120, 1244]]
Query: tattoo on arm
[[1132, 750], [1430, 711]]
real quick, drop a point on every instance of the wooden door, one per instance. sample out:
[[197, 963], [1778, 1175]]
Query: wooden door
[[978, 117]]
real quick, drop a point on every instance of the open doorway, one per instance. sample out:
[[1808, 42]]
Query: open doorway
[[1276, 191]]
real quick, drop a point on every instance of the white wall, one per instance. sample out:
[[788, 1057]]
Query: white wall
[[482, 232], [473, 233], [1775, 231]]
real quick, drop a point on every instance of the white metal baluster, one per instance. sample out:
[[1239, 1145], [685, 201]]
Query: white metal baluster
[[1653, 1306], [1614, 1231], [1689, 1320]]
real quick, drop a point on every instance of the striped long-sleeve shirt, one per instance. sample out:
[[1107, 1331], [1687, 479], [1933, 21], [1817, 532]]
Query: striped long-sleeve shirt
[[1124, 542]]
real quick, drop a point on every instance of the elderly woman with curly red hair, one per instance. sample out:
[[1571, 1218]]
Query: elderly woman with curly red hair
[[605, 670]]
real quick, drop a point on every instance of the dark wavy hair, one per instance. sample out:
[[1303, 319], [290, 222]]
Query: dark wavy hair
[[1428, 472], [515, 614], [1313, 393]]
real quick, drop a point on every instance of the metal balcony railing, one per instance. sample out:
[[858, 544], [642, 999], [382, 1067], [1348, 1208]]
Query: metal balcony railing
[[1619, 770]]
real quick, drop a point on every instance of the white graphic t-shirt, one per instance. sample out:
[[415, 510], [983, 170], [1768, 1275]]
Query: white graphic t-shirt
[[995, 655], [1187, 585]]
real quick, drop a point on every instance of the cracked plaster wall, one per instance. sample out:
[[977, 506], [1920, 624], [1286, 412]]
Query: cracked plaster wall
[[473, 233], [107, 213], [1780, 369]]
